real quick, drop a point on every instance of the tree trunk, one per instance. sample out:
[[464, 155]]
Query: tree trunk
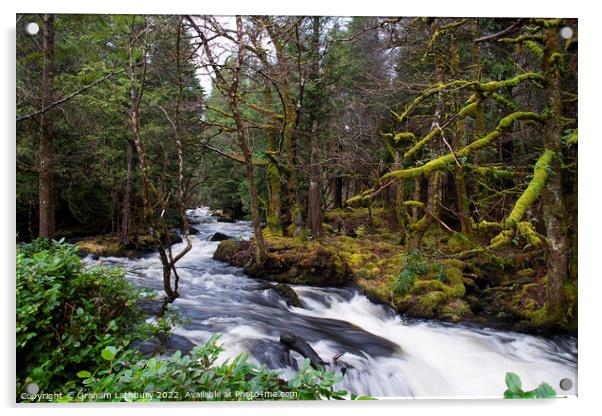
[[274, 210], [315, 208], [126, 214], [337, 192], [554, 211], [291, 161], [45, 178], [462, 202]]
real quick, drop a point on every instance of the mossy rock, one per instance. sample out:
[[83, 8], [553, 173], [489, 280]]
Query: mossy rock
[[455, 311], [235, 252], [288, 293]]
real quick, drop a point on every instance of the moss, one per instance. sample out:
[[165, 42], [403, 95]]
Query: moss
[[535, 48], [433, 133], [423, 286], [573, 138], [105, 245], [509, 83], [526, 230], [417, 204], [455, 310], [522, 38], [528, 272], [540, 175], [459, 242], [426, 305], [444, 161], [360, 231], [403, 136]]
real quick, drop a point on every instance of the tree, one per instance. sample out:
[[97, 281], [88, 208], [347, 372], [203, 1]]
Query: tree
[[228, 85], [46, 197]]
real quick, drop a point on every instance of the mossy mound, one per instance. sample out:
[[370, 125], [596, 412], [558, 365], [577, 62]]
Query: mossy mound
[[108, 245], [288, 261], [436, 294]]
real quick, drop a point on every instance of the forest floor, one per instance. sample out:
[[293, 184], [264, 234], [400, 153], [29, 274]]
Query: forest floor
[[503, 289]]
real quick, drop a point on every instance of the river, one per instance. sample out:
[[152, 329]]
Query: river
[[387, 355]]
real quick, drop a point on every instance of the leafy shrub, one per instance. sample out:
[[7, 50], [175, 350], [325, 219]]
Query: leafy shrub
[[413, 266], [196, 376], [67, 313], [543, 391]]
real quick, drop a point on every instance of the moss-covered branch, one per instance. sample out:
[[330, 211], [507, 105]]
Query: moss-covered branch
[[443, 161], [433, 133], [540, 174], [487, 87], [465, 111], [514, 221]]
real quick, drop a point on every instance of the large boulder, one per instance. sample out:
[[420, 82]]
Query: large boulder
[[235, 252]]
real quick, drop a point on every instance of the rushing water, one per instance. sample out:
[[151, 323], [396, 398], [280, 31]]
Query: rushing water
[[385, 354]]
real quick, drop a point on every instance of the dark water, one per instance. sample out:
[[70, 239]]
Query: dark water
[[385, 355]]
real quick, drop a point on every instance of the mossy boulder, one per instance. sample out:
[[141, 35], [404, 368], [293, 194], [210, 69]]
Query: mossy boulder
[[108, 245], [288, 261], [234, 252]]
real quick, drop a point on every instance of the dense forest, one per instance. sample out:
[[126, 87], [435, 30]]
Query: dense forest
[[429, 162]]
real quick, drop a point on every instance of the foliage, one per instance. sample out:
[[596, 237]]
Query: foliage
[[198, 376], [413, 266], [67, 313], [514, 391]]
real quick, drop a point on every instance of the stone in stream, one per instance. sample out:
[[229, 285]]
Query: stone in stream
[[226, 219], [219, 237], [302, 347], [288, 293]]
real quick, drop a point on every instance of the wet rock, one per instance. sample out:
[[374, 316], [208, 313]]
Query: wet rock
[[226, 219], [298, 344], [234, 252], [153, 306], [288, 293], [220, 237], [192, 230]]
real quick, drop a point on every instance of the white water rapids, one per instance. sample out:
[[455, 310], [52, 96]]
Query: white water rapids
[[387, 355]]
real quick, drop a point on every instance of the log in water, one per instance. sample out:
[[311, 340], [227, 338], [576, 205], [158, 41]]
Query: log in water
[[382, 353]]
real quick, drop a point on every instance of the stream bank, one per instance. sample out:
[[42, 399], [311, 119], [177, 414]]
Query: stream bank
[[505, 289]]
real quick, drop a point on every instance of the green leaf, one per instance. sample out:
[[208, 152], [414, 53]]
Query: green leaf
[[513, 382], [109, 353], [545, 391], [84, 374]]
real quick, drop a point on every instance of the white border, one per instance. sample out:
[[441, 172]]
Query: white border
[[590, 291]]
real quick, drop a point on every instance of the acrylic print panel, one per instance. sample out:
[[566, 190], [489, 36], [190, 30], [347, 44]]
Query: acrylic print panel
[[295, 207]]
